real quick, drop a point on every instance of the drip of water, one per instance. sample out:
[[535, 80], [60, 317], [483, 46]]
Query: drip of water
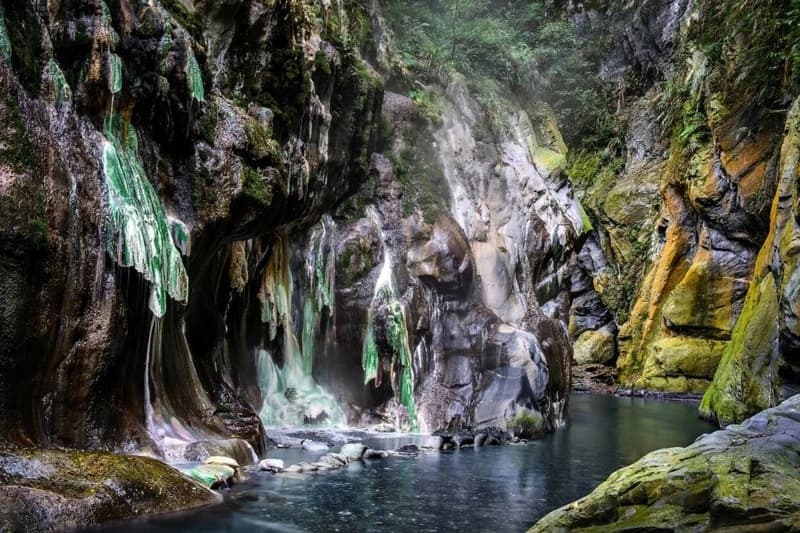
[[5, 43], [291, 395], [194, 76], [114, 73], [385, 302], [60, 87]]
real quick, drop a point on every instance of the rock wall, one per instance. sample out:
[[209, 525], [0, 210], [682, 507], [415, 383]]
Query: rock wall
[[143, 144], [685, 208]]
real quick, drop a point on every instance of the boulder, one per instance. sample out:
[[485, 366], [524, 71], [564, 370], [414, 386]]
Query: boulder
[[408, 449], [236, 449], [375, 454], [432, 442], [314, 446], [463, 438], [272, 465], [353, 450], [213, 476], [595, 346], [332, 461], [743, 478], [45, 490]]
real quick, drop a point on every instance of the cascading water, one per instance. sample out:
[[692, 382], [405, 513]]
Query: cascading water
[[386, 303], [142, 236], [5, 43], [194, 77], [291, 394]]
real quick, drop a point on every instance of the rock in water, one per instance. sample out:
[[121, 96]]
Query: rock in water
[[375, 454], [353, 451], [45, 490], [272, 465], [743, 478], [220, 460], [432, 442], [314, 446], [236, 449]]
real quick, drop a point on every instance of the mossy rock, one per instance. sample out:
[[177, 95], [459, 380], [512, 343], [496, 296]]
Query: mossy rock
[[595, 346], [57, 489], [702, 301], [745, 380], [743, 478]]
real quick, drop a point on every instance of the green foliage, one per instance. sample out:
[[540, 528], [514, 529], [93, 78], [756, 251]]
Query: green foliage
[[255, 187], [757, 42], [620, 295], [428, 103], [526, 425], [355, 262], [522, 48]]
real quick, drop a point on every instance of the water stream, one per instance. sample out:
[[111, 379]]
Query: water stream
[[484, 489]]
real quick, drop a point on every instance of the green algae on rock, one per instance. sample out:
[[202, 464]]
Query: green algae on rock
[[743, 478], [139, 235]]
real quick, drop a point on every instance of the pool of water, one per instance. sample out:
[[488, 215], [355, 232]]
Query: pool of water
[[494, 488]]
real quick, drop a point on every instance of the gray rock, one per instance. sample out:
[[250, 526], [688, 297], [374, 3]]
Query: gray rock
[[375, 454], [432, 442], [271, 465], [353, 451], [237, 449], [314, 446]]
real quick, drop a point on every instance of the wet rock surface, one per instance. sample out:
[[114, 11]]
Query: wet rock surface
[[45, 490], [743, 478]]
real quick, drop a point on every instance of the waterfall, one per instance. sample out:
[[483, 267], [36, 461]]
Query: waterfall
[[291, 394], [386, 303]]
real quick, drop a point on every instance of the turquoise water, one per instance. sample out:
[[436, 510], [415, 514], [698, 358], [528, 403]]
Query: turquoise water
[[484, 489]]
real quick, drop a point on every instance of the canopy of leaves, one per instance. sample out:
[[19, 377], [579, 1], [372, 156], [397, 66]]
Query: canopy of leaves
[[525, 48]]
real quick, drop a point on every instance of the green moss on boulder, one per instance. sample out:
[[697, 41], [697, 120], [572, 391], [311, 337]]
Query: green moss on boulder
[[743, 478], [54, 489]]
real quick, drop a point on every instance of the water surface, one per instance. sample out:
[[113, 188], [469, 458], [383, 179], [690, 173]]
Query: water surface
[[484, 489]]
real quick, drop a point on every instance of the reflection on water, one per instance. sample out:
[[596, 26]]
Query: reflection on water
[[498, 488]]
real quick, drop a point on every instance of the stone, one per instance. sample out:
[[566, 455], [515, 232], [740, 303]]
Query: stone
[[353, 451], [344, 459], [431, 442], [272, 465], [220, 460], [314, 446], [465, 437], [408, 449], [743, 478], [236, 449], [375, 454], [213, 475], [332, 461], [595, 346], [46, 490], [307, 467], [293, 469]]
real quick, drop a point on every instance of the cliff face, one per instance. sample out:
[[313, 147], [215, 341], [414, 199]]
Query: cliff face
[[141, 143], [209, 225], [686, 206]]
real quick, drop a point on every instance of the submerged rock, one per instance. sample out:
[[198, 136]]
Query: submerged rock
[[45, 490], [743, 478]]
